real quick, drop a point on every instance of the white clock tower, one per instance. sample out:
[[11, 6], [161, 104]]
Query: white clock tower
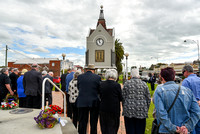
[[100, 47]]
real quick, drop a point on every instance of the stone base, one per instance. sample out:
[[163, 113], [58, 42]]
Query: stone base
[[25, 124]]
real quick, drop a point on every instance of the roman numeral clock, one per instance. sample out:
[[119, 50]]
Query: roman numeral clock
[[100, 48]]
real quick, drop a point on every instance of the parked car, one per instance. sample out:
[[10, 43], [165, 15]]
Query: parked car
[[145, 78]]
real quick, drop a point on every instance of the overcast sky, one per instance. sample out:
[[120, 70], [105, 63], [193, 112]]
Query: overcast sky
[[151, 30]]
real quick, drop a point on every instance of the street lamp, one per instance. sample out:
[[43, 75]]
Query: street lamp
[[197, 42], [63, 55], [126, 54], [123, 72]]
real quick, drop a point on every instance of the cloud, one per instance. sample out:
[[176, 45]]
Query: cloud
[[147, 28]]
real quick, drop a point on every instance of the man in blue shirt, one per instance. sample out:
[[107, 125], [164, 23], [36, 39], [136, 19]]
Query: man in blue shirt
[[192, 81], [69, 77], [185, 112]]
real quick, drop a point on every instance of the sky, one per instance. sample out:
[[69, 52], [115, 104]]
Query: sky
[[150, 31]]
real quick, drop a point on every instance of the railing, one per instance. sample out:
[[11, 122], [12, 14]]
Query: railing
[[43, 92]]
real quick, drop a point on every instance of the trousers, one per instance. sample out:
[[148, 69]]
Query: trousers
[[134, 125], [84, 113], [109, 123]]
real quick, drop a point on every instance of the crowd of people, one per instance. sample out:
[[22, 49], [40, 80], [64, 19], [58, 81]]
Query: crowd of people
[[90, 97], [26, 85], [176, 106]]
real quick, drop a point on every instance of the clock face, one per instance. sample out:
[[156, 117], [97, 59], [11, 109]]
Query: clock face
[[99, 41]]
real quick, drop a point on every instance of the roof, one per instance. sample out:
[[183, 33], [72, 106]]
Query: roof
[[110, 31], [102, 21], [35, 60]]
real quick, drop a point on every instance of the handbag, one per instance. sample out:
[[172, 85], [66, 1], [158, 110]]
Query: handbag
[[155, 125]]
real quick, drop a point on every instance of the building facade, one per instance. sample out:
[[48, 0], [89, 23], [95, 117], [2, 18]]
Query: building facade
[[100, 47], [178, 67], [48, 64]]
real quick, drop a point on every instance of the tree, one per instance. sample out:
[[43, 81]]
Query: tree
[[119, 51]]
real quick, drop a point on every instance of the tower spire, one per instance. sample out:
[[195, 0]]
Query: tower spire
[[101, 19], [101, 16]]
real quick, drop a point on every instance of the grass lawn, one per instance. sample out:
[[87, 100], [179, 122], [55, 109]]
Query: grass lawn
[[150, 119], [151, 108]]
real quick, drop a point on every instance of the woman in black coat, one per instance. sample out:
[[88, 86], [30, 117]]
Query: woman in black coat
[[111, 95]]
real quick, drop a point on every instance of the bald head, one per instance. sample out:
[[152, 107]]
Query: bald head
[[51, 73]]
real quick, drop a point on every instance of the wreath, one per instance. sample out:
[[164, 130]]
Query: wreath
[[10, 98], [45, 120]]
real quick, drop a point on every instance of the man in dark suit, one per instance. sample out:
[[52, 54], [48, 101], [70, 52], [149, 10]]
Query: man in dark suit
[[32, 83], [48, 88], [63, 84], [13, 77], [152, 80], [88, 100], [63, 81]]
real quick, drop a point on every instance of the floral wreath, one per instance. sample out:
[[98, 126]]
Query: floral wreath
[[7, 106], [10, 98], [45, 120], [53, 109]]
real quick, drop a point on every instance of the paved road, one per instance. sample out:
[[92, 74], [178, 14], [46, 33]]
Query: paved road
[[58, 100]]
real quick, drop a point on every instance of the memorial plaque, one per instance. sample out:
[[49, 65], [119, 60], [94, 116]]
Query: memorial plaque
[[99, 56], [21, 111]]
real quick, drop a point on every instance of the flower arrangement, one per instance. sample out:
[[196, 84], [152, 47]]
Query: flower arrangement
[[53, 109], [10, 98], [45, 120], [10, 105]]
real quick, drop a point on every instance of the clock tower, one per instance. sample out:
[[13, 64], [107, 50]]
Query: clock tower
[[100, 47]]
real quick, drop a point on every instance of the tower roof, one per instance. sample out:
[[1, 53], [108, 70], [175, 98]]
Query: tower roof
[[101, 19]]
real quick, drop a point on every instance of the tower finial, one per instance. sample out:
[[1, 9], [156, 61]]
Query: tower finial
[[101, 19], [101, 16]]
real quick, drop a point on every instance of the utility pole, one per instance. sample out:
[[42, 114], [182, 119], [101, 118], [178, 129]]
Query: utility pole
[[6, 56]]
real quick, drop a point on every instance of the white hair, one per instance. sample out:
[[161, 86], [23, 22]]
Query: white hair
[[111, 73], [44, 72], [15, 69], [76, 74], [135, 72], [51, 73]]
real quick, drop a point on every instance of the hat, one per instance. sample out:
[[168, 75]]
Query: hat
[[91, 66], [24, 71]]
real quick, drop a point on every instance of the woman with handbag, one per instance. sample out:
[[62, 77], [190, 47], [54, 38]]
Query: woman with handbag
[[177, 110]]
